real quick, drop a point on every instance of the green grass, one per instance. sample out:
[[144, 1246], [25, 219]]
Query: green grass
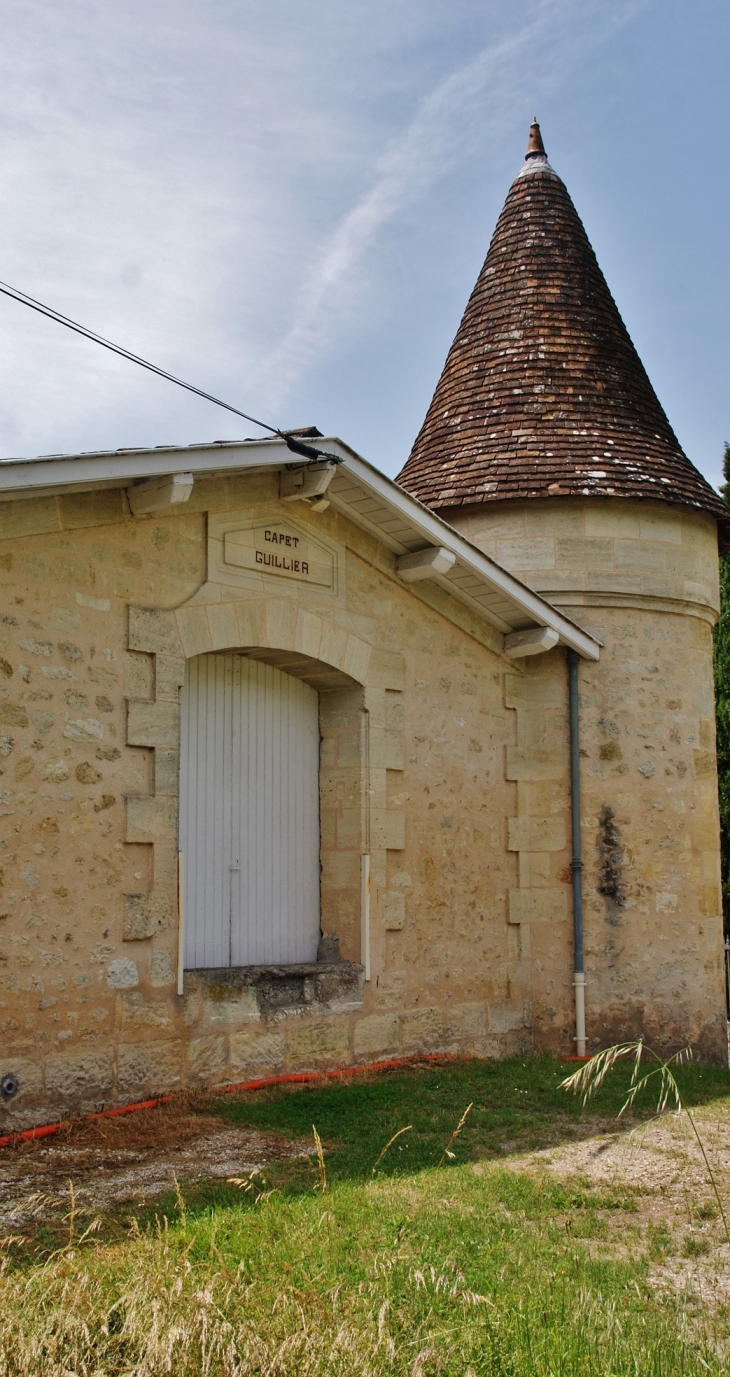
[[467, 1270], [517, 1105]]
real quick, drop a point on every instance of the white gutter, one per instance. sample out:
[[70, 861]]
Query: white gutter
[[119, 468]]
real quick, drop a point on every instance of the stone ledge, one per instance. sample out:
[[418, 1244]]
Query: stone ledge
[[282, 990]]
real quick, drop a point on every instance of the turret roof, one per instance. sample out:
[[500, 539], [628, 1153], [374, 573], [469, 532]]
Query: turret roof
[[543, 393]]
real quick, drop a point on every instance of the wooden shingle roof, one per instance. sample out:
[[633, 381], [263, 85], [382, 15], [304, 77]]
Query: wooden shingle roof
[[543, 393]]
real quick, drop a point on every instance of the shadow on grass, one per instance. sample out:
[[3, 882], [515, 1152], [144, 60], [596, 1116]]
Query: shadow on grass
[[517, 1106]]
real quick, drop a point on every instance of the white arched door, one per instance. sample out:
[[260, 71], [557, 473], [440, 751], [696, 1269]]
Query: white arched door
[[249, 814]]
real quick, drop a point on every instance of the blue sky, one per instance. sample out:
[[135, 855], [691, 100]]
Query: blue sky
[[288, 202]]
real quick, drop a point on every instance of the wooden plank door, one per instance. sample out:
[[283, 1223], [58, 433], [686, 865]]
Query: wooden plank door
[[249, 814]]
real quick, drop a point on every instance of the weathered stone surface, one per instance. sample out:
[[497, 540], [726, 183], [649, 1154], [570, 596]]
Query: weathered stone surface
[[316, 1042], [56, 771], [252, 1052], [161, 968], [153, 630], [153, 724], [467, 1024], [387, 669], [90, 509], [35, 517], [341, 870], [339, 986], [388, 829], [28, 1074], [222, 625], [224, 1006], [394, 910], [357, 659], [422, 1030], [645, 814], [387, 749], [83, 729], [443, 947], [169, 677], [148, 1068], [80, 1077], [251, 992], [206, 1057], [538, 905], [167, 773], [145, 915], [13, 715], [139, 674], [536, 834], [122, 973], [506, 1016], [194, 631], [151, 819], [534, 762], [705, 765], [375, 1034], [141, 1015]]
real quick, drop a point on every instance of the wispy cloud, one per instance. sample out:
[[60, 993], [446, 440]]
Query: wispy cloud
[[466, 112], [260, 197]]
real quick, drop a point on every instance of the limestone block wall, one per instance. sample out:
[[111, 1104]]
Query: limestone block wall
[[612, 552], [100, 611], [643, 579], [540, 908]]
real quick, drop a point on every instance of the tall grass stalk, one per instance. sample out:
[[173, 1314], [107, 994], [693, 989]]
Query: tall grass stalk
[[389, 1144], [321, 1168], [590, 1077], [447, 1150]]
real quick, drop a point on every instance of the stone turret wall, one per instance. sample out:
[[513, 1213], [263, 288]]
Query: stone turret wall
[[603, 553], [643, 578]]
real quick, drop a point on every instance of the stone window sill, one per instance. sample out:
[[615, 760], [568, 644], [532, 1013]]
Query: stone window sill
[[280, 990]]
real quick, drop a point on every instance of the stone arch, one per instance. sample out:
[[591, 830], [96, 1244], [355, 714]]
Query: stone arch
[[273, 624], [361, 739]]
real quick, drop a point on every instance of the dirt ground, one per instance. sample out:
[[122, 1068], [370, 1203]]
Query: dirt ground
[[130, 1158], [677, 1217]]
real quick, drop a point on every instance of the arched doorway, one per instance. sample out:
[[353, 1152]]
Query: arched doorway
[[249, 814]]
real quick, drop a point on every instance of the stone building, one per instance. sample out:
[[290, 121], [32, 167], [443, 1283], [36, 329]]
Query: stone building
[[285, 747], [546, 446]]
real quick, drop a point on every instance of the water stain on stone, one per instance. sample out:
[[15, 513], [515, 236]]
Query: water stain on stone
[[612, 860]]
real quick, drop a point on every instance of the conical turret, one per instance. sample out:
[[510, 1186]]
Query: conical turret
[[543, 393]]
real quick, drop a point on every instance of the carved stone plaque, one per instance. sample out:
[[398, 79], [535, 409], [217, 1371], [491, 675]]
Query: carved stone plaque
[[280, 549]]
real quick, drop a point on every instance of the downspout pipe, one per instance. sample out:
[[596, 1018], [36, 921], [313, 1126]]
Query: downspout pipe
[[576, 864]]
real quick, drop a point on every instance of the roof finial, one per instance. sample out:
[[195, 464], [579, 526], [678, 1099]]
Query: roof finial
[[535, 145]]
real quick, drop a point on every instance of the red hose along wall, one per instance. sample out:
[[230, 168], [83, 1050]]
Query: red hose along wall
[[292, 1078]]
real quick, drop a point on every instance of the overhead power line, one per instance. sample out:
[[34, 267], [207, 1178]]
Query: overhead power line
[[295, 445]]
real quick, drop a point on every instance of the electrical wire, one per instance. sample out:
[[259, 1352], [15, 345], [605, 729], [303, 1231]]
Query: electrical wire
[[296, 446]]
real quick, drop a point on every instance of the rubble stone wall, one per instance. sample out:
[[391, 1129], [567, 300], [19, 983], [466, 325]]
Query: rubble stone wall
[[100, 610]]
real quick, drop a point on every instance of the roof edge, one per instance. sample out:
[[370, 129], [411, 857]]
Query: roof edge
[[121, 469]]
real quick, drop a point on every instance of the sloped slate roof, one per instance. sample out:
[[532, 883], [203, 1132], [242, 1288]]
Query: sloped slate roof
[[543, 393]]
